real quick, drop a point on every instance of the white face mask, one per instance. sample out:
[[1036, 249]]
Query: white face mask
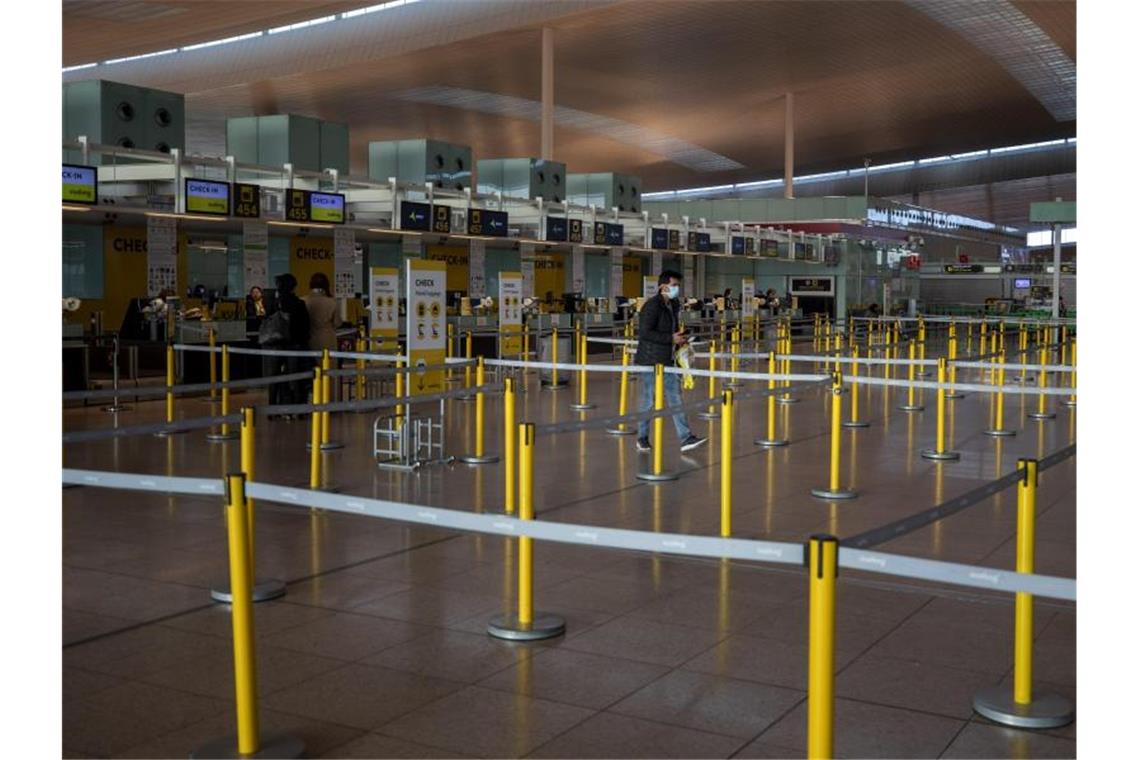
[[672, 292]]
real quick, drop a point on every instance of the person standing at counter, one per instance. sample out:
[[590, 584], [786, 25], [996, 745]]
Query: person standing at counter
[[254, 309], [285, 327], [659, 335], [322, 314]]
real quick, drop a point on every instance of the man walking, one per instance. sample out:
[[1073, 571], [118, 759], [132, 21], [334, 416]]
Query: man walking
[[659, 335]]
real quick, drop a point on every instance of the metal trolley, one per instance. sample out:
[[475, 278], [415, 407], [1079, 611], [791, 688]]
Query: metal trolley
[[409, 440]]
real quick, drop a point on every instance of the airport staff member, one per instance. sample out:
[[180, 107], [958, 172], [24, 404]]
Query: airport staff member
[[659, 334]]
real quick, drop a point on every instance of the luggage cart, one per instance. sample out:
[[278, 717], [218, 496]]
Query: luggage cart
[[410, 440]]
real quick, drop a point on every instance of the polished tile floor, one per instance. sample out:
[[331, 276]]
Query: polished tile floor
[[379, 648]]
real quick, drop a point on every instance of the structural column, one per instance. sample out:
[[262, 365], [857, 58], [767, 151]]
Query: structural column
[[789, 143], [547, 94]]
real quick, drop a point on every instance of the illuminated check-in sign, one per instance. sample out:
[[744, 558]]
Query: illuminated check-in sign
[[80, 184], [660, 238], [556, 229], [205, 196], [247, 201], [415, 216], [297, 206], [606, 233], [486, 222], [327, 208]]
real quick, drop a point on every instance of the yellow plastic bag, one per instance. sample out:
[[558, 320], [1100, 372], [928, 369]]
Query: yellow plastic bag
[[684, 358]]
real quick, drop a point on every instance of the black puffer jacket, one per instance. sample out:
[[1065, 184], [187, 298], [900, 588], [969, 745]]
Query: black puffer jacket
[[657, 322]]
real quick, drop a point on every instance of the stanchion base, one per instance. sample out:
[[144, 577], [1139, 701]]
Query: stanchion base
[[546, 384], [544, 626], [912, 407], [262, 592], [828, 494], [856, 424], [1070, 404], [923, 374], [168, 433], [1042, 415], [941, 456], [621, 431], [734, 384], [220, 437], [770, 444], [1045, 711], [954, 396], [583, 407], [999, 433], [323, 489], [272, 746], [657, 477], [115, 408], [787, 400], [472, 459], [709, 415], [329, 446], [466, 399]]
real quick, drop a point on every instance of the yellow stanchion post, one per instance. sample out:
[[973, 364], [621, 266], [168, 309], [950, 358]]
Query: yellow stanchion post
[[315, 434], [583, 403], [267, 590], [771, 441], [327, 444], [922, 346], [939, 452], [480, 456], [826, 346], [248, 742], [1072, 399], [170, 382], [1022, 708], [658, 474], [623, 395], [212, 342], [911, 405], [554, 383], [726, 465], [449, 349], [525, 624], [510, 444], [787, 397], [823, 567], [833, 491], [969, 338], [711, 413], [225, 434], [735, 358], [855, 422], [815, 332], [953, 395], [401, 380], [469, 354], [998, 430], [360, 348], [1023, 348], [1042, 381]]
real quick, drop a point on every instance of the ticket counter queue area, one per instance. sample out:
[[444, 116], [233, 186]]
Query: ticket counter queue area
[[380, 645]]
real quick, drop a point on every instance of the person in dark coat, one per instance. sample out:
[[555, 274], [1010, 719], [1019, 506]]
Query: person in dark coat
[[659, 334], [297, 339]]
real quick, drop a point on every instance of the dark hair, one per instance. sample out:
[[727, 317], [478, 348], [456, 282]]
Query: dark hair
[[319, 280], [286, 283], [667, 275], [257, 288]]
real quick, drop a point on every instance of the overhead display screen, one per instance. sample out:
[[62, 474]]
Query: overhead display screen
[[297, 205], [1021, 283], [247, 201], [660, 238], [701, 242], [327, 207], [204, 196], [674, 240], [80, 184], [812, 286], [415, 216], [556, 229], [486, 222], [606, 233], [743, 246], [441, 218], [575, 233]]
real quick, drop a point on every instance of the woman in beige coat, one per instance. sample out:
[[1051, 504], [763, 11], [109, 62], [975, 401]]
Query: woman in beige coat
[[322, 314]]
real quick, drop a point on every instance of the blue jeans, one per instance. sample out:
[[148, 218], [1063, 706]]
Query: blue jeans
[[672, 399]]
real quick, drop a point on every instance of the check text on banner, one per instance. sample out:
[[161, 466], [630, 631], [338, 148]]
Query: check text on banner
[[427, 324]]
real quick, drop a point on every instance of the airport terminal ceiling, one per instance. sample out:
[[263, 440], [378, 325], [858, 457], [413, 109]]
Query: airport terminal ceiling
[[681, 94]]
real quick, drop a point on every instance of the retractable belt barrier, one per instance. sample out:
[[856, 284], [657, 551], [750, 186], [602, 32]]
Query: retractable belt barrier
[[919, 520], [159, 427], [609, 422], [393, 371], [162, 390], [590, 535], [367, 356], [934, 385], [371, 404]]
